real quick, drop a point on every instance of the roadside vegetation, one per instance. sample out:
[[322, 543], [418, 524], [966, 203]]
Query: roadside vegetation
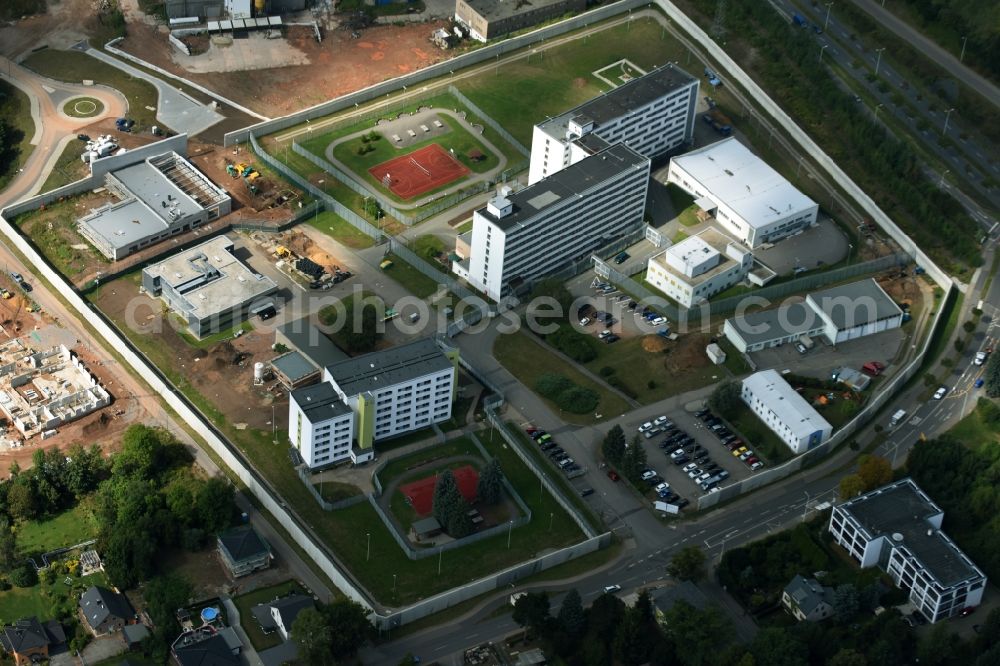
[[16, 130]]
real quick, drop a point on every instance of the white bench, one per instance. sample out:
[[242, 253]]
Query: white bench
[[438, 124], [425, 128]]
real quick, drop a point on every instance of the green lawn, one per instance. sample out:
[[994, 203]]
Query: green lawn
[[334, 491], [528, 361], [428, 246], [68, 168], [558, 79], [54, 233], [759, 437], [974, 432], [245, 602], [399, 466], [15, 112], [410, 278], [341, 230], [74, 67], [46, 601], [688, 217], [458, 141], [464, 227], [215, 338], [67, 529]]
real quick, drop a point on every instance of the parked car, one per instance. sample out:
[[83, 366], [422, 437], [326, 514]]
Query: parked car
[[661, 420], [940, 393], [979, 383], [586, 492], [702, 413], [800, 348], [622, 257], [740, 451], [682, 460], [613, 475], [646, 426], [662, 486], [611, 339], [746, 455], [648, 474], [535, 434], [565, 462], [695, 473], [610, 589], [585, 321]]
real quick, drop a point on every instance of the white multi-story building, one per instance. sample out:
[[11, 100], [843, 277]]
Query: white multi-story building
[[784, 411], [370, 398], [699, 267], [521, 236], [898, 528], [653, 114], [751, 201]]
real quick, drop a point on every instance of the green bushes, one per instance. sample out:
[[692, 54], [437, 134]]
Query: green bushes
[[576, 345], [567, 395]]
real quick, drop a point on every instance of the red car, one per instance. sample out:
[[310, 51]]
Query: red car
[[613, 475], [968, 610]]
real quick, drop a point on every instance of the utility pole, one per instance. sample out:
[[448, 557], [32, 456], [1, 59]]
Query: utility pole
[[947, 116], [878, 59], [826, 23], [962, 56], [821, 52]]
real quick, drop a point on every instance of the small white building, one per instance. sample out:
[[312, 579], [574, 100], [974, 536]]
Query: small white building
[[751, 201], [699, 267], [784, 411], [653, 114], [898, 528], [369, 398]]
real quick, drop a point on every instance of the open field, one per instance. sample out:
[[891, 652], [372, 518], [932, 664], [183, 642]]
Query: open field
[[340, 230], [68, 168], [67, 529], [410, 278], [15, 112], [522, 93], [527, 361], [245, 602], [74, 67], [54, 233]]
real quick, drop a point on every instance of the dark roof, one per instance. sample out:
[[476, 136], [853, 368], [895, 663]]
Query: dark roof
[[311, 342], [210, 651], [633, 95], [854, 304], [294, 366], [135, 633], [262, 613], [319, 402], [99, 604], [573, 181], [807, 593], [764, 325], [383, 369], [591, 143], [665, 597], [902, 512], [494, 10], [283, 653], [289, 608], [426, 525], [243, 543], [26, 634]]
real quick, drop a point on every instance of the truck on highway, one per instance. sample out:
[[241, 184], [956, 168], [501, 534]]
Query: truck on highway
[[897, 418]]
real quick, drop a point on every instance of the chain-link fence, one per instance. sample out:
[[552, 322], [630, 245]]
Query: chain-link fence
[[483, 116]]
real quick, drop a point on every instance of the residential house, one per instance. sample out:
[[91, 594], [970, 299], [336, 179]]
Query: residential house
[[207, 647], [104, 612], [285, 610], [28, 641], [807, 600], [243, 551]]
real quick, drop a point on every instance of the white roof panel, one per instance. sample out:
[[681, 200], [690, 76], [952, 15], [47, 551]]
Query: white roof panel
[[788, 406]]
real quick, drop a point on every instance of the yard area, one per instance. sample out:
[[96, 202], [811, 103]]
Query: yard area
[[15, 112], [46, 601], [67, 529], [764, 441], [340, 230], [68, 168], [528, 361], [245, 602], [558, 79], [74, 67], [410, 278], [53, 232]]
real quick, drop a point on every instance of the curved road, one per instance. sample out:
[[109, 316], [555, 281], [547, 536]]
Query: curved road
[[932, 50], [53, 128]]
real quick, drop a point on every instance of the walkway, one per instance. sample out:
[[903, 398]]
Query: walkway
[[424, 116], [175, 109]]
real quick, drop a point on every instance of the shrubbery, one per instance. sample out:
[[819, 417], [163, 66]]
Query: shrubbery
[[567, 395], [578, 346]]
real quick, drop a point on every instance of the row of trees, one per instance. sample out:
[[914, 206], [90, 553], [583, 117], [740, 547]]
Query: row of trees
[[628, 459], [873, 471], [449, 506]]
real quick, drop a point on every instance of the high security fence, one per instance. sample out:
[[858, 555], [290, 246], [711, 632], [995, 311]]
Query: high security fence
[[485, 117]]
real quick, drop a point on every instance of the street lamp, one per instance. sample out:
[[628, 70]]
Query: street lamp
[[943, 174], [821, 52], [826, 23], [878, 59], [947, 116], [393, 584], [368, 546], [876, 112], [962, 56], [805, 507]]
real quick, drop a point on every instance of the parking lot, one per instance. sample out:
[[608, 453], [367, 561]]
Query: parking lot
[[822, 359], [616, 303]]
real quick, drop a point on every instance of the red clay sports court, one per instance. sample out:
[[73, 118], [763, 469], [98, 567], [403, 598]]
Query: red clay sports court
[[421, 492], [420, 171]]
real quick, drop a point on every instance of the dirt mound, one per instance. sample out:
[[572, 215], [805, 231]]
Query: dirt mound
[[654, 344]]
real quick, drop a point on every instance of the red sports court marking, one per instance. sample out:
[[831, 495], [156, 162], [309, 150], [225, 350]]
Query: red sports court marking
[[418, 172], [421, 491]]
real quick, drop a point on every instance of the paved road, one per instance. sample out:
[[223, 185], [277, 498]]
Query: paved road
[[932, 50], [53, 128]]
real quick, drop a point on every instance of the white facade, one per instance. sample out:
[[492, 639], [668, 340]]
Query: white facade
[[898, 528], [320, 425], [751, 201], [530, 233], [784, 411], [699, 267], [653, 114]]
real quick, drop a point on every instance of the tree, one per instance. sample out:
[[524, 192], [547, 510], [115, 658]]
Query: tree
[[725, 399], [688, 564], [352, 627], [8, 546], [216, 504], [634, 461], [847, 657], [445, 489], [632, 640], [314, 636], [532, 610], [875, 471], [613, 446], [993, 376], [163, 596], [701, 633], [21, 500], [846, 602], [460, 523], [775, 646], [555, 289], [23, 575], [851, 486], [361, 329], [489, 489], [571, 617]]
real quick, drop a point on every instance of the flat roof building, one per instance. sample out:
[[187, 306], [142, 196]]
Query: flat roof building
[[159, 197], [208, 286], [653, 114], [369, 398], [699, 267], [898, 528], [521, 236], [489, 19], [841, 313], [784, 411], [751, 201]]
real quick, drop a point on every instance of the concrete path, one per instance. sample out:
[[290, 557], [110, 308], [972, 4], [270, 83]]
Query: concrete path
[[175, 109]]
